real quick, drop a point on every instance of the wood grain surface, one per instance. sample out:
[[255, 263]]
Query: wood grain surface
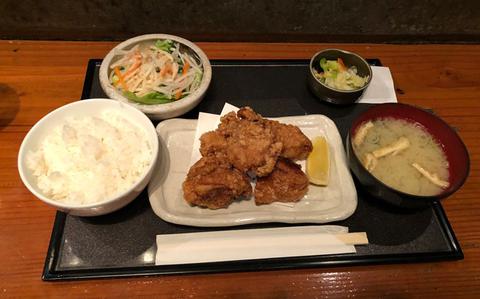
[[36, 77]]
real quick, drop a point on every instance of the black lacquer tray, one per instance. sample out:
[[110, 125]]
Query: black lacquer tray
[[123, 243]]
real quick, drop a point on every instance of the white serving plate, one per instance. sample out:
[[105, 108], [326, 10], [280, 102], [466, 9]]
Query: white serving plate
[[335, 202]]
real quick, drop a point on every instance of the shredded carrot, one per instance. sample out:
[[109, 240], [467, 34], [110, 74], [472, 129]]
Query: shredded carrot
[[341, 64], [135, 66], [120, 78], [167, 69], [186, 66], [178, 94]]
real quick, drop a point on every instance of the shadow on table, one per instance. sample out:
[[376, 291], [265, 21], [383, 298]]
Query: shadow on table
[[9, 105]]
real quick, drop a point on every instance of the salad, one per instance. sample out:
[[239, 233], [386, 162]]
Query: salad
[[155, 73], [336, 75]]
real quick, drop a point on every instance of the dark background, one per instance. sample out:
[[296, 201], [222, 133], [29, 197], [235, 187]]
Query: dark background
[[408, 21]]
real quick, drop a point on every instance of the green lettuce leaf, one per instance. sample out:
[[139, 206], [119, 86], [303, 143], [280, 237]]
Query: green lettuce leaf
[[164, 45], [328, 65], [152, 98]]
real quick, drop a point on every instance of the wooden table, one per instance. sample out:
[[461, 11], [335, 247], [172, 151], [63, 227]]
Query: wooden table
[[36, 77]]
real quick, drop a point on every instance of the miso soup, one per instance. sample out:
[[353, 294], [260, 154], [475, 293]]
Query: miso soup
[[402, 155]]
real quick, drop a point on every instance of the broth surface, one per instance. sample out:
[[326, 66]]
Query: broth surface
[[396, 170]]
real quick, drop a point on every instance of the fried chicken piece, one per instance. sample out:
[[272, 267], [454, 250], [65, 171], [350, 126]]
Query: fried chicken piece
[[296, 145], [249, 114], [286, 183], [248, 145], [213, 144], [212, 183], [253, 143]]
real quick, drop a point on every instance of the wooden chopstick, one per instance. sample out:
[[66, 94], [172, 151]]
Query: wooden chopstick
[[359, 238]]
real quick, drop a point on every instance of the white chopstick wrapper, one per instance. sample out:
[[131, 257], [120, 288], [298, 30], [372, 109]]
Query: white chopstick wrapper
[[381, 89], [233, 245]]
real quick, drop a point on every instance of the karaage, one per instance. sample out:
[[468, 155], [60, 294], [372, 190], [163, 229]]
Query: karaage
[[286, 183], [213, 144], [295, 145], [212, 183], [248, 145]]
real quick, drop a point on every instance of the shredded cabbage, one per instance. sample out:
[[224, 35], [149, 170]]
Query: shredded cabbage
[[335, 74]]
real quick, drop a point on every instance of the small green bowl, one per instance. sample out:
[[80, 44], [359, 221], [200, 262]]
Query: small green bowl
[[333, 95]]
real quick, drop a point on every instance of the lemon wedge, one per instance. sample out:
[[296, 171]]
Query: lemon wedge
[[318, 162]]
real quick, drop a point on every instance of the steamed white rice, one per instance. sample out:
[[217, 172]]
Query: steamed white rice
[[91, 159]]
